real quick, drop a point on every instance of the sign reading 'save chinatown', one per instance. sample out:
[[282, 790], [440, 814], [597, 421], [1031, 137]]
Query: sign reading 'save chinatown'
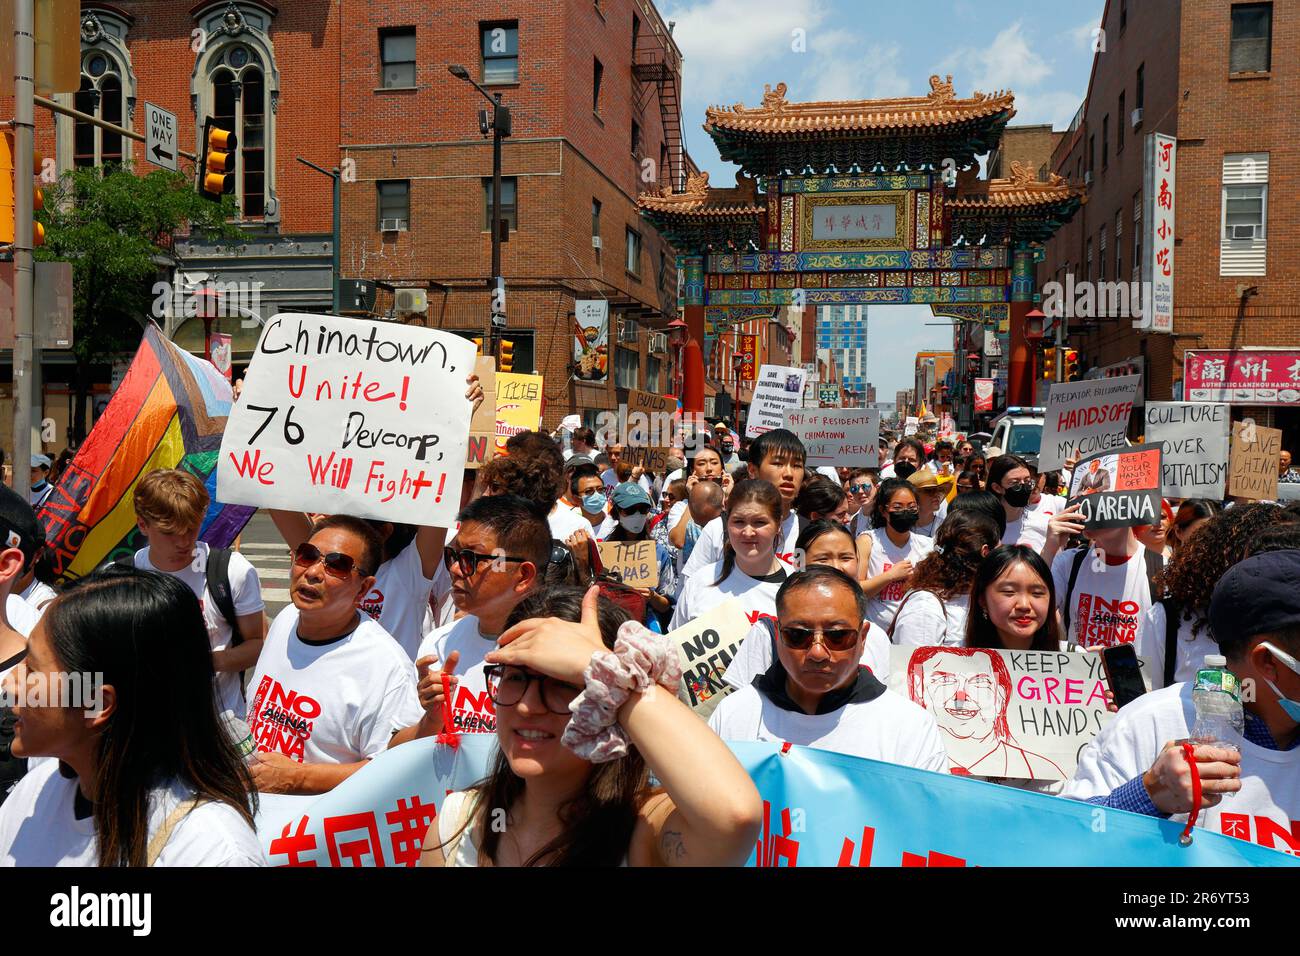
[[1242, 377]]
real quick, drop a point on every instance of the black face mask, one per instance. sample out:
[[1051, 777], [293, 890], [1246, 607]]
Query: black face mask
[[904, 469], [902, 521], [1017, 496]]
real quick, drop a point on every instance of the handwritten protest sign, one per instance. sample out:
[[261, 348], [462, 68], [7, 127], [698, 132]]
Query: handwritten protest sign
[[1086, 417], [911, 425], [1194, 439], [648, 428], [482, 427], [706, 647], [519, 405], [838, 436], [350, 417], [779, 387], [1021, 714], [1118, 489], [1252, 472], [635, 562]]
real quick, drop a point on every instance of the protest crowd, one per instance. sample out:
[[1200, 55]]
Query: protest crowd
[[874, 611]]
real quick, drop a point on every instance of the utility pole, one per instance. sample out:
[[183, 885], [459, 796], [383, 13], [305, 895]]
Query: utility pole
[[337, 176], [24, 153]]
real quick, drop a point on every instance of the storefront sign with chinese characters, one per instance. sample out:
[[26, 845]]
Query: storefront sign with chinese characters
[[1160, 206], [1243, 377]]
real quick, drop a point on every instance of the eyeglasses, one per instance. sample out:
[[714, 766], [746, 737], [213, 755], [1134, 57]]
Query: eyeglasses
[[903, 511], [507, 685], [468, 561], [1021, 486], [835, 638], [337, 564], [860, 489]]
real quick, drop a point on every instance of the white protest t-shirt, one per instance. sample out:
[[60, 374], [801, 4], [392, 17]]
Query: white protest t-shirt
[[1265, 811], [925, 621], [708, 550], [699, 595], [889, 728], [399, 597], [1030, 529], [38, 594], [884, 555], [754, 656], [472, 712], [1190, 648], [1047, 505], [607, 527], [23, 618], [566, 521], [39, 827], [245, 590], [339, 702], [1109, 606]]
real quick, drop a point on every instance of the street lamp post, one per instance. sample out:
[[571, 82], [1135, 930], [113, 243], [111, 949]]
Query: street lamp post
[[500, 129], [335, 175]]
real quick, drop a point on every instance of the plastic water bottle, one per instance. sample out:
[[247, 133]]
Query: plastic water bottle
[[1217, 699], [241, 735]]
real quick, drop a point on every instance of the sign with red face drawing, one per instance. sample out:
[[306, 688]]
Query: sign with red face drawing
[[1006, 714], [1119, 489]]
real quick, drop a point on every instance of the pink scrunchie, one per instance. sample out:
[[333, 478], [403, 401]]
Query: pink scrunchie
[[640, 659]]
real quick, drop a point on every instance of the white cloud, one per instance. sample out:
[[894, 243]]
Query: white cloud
[[1009, 62], [849, 68], [1082, 35]]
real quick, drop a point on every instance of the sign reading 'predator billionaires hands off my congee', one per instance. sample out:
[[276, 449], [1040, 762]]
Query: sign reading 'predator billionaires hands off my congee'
[[350, 417], [1086, 417]]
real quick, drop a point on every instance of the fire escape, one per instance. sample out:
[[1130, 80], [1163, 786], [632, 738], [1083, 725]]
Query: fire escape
[[656, 66]]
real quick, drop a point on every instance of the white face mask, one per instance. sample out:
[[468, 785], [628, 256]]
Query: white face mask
[[633, 524]]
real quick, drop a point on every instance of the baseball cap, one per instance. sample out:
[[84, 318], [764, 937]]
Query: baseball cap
[[629, 495], [41, 461], [1256, 596], [18, 525]]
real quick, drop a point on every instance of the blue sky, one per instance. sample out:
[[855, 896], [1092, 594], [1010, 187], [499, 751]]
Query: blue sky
[[856, 49]]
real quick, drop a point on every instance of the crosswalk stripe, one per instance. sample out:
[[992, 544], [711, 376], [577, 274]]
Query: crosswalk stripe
[[275, 595]]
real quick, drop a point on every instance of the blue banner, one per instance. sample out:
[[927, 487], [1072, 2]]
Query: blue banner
[[820, 809]]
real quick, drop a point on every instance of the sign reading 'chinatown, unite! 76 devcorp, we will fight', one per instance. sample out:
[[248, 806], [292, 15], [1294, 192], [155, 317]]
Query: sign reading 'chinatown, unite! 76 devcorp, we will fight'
[[349, 417]]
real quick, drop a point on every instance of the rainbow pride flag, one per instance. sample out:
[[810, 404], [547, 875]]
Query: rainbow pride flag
[[169, 412]]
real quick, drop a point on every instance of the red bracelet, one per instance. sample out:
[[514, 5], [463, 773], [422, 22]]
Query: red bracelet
[[449, 736], [1190, 753]]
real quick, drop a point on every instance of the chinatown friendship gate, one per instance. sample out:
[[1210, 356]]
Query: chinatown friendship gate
[[845, 203]]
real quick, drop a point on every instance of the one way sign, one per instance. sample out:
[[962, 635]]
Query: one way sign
[[160, 137]]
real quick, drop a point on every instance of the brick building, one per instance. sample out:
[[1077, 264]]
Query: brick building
[[1221, 78], [594, 92]]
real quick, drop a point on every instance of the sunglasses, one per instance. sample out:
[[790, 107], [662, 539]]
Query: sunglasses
[[468, 561], [337, 564], [860, 489], [835, 638], [507, 685]]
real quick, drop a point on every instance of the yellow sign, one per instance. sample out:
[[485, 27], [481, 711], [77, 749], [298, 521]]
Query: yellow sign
[[519, 405]]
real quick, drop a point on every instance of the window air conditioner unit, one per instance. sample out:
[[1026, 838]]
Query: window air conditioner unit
[[392, 225], [1087, 178], [659, 342], [1243, 232], [1136, 117], [411, 300], [595, 242]]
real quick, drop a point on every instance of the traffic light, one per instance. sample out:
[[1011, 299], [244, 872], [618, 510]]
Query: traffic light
[[217, 164], [478, 344], [507, 362], [1071, 365], [1049, 364], [8, 215]]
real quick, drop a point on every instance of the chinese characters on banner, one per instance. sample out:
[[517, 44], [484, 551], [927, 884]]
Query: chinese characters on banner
[[748, 357], [1246, 377], [358, 418], [1160, 203], [876, 221], [519, 405]]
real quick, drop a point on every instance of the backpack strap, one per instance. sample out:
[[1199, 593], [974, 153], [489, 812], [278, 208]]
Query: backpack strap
[[159, 841], [1173, 617], [10, 662], [903, 603], [217, 573], [1079, 555]]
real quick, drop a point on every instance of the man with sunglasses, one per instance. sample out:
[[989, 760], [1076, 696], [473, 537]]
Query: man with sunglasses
[[1255, 618], [331, 685], [817, 694], [500, 551]]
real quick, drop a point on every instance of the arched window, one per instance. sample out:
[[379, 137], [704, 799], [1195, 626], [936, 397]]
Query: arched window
[[107, 92], [236, 82]]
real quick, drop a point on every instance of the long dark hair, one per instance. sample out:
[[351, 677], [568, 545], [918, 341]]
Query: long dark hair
[[144, 632], [958, 545], [754, 490], [888, 488], [599, 821], [980, 631]]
